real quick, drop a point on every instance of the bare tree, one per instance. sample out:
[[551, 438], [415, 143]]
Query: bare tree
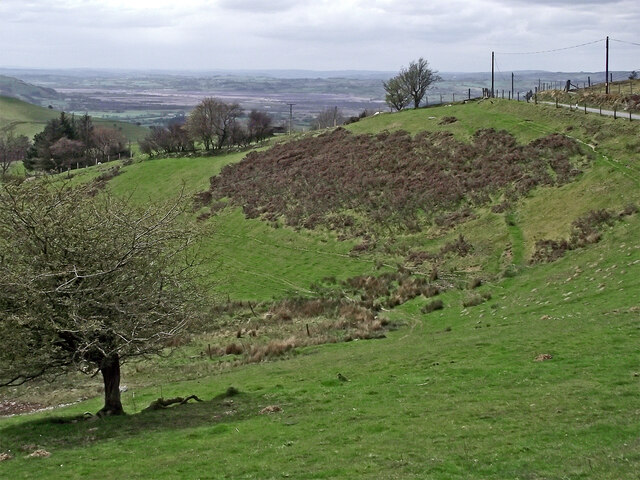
[[108, 142], [397, 97], [13, 149], [329, 117], [89, 283], [239, 135], [179, 138], [416, 80], [259, 125], [66, 152], [211, 122]]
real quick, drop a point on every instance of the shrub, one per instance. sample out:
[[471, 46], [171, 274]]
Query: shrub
[[510, 271], [234, 349], [460, 247], [472, 300], [432, 306], [447, 120], [274, 348], [430, 291]]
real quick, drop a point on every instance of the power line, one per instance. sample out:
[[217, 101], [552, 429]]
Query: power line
[[499, 71], [624, 41], [553, 50]]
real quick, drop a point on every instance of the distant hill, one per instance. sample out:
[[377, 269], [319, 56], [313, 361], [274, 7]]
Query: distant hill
[[16, 88], [28, 119]]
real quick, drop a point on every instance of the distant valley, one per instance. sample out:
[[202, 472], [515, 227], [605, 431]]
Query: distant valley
[[156, 98]]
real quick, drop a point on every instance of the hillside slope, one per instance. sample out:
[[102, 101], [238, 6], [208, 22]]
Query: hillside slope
[[531, 372], [27, 119], [16, 88]]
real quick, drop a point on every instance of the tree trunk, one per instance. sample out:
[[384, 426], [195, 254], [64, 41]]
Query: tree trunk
[[110, 369]]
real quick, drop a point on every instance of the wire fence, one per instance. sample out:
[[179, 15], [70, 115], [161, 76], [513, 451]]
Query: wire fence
[[517, 87]]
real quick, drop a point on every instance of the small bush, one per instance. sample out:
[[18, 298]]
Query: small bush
[[234, 349], [274, 348], [630, 209], [447, 120], [231, 391], [433, 276], [432, 306], [474, 283], [549, 250], [473, 300], [459, 247], [430, 291], [178, 341], [510, 271]]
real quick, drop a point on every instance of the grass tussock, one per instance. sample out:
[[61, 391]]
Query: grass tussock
[[474, 299], [433, 306]]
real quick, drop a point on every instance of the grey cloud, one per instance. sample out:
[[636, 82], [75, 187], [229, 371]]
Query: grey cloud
[[567, 3], [315, 34], [259, 6]]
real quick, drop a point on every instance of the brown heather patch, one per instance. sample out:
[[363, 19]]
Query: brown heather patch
[[389, 178]]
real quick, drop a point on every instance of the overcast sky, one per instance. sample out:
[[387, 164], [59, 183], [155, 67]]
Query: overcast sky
[[453, 35]]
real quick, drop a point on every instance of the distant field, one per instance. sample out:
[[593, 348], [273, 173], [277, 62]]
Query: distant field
[[27, 119]]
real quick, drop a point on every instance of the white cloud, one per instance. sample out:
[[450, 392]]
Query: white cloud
[[313, 34]]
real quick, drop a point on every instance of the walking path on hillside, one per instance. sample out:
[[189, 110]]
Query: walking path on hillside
[[610, 113]]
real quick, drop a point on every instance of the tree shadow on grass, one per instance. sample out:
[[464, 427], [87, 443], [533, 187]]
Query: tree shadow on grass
[[74, 431]]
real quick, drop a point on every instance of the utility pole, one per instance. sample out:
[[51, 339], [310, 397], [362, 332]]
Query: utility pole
[[290, 116], [606, 79], [493, 61], [512, 76]]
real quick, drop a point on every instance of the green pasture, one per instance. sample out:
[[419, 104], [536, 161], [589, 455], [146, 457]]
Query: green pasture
[[27, 119], [453, 394]]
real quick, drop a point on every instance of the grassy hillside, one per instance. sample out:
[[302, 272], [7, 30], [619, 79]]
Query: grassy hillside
[[538, 380], [16, 88], [610, 183], [28, 119]]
